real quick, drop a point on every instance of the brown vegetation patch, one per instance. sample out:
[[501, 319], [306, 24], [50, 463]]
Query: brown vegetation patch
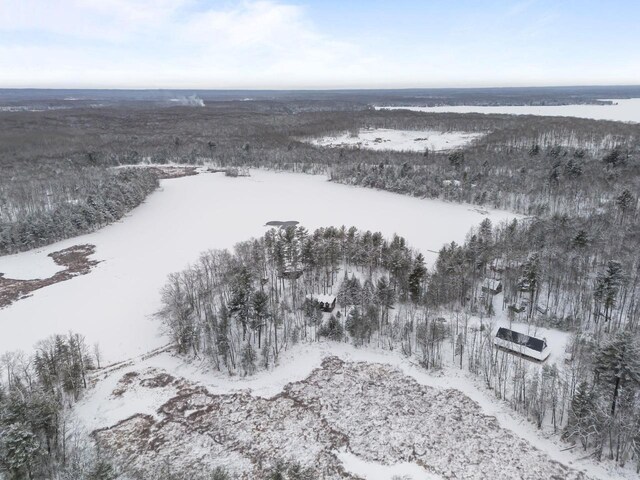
[[160, 380], [123, 384], [75, 258], [166, 172], [374, 411], [151, 378]]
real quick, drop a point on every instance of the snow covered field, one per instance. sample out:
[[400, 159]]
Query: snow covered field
[[394, 420], [399, 140], [623, 110], [114, 304], [377, 471], [146, 385]]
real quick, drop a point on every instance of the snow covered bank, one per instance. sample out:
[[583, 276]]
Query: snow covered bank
[[115, 303], [623, 110], [399, 140]]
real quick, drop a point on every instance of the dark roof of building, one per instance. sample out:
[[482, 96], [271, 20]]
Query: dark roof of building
[[533, 343]]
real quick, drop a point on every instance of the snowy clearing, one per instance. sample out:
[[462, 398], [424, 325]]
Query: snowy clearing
[[392, 420], [192, 214], [399, 140], [101, 409], [377, 471], [623, 110], [556, 339]]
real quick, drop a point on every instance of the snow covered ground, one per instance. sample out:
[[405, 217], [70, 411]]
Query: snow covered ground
[[376, 411], [377, 471], [557, 340], [114, 304], [399, 140], [623, 110], [108, 403]]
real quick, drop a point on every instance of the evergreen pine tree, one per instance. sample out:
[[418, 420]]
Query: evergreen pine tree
[[617, 363], [248, 359], [416, 278], [582, 420]]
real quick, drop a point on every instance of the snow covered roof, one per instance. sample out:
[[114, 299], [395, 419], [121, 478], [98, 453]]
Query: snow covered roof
[[322, 297], [448, 183], [525, 344]]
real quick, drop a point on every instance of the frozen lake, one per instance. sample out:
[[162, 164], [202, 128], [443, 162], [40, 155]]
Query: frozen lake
[[114, 303], [623, 110]]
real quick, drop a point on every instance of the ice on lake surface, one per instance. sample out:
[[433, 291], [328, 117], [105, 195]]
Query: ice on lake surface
[[40, 265], [114, 304], [622, 110]]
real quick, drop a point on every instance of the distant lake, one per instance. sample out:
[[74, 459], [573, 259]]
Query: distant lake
[[623, 110]]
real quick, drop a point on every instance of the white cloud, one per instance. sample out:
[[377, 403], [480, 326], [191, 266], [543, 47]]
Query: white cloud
[[267, 44], [252, 24], [135, 43]]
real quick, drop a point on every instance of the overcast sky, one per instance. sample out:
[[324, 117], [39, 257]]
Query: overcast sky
[[317, 44]]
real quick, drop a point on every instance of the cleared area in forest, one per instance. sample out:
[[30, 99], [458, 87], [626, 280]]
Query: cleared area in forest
[[392, 420], [398, 140]]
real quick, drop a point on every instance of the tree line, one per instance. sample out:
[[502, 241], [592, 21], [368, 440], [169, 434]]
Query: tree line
[[44, 208]]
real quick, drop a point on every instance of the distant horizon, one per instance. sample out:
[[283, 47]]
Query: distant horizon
[[330, 89]]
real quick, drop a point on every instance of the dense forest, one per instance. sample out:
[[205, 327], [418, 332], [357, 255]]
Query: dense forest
[[242, 309], [44, 205], [579, 275]]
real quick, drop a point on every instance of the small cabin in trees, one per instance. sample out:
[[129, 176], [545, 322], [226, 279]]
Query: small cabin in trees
[[492, 286], [326, 302], [523, 344]]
